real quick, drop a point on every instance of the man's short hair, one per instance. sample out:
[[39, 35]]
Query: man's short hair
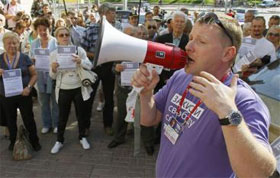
[[45, 4], [275, 17], [231, 26], [259, 18], [105, 7], [179, 13], [156, 7]]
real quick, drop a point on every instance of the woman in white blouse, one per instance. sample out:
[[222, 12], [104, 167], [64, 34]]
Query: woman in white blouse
[[69, 89]]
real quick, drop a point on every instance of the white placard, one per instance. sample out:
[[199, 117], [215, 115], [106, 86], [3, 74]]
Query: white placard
[[65, 58], [248, 44], [246, 59], [12, 82], [42, 57], [246, 54], [126, 75]]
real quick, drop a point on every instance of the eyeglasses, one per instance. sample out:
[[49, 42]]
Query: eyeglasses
[[210, 17], [273, 34], [63, 35], [154, 27], [26, 19]]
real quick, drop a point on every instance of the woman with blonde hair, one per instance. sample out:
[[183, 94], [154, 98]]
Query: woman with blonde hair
[[273, 35], [69, 89], [12, 59]]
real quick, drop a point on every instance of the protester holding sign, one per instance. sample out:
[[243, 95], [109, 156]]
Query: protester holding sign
[[17, 77], [40, 50], [69, 86]]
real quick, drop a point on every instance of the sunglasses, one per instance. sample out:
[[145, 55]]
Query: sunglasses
[[212, 17], [154, 27], [273, 34], [25, 19], [63, 35]]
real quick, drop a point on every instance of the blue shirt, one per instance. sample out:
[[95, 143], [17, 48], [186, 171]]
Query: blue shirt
[[24, 63], [90, 37], [44, 82]]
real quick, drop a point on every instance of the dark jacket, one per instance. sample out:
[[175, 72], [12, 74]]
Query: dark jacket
[[166, 74], [168, 38]]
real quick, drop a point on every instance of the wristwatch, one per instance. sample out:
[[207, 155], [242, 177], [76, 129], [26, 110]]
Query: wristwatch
[[234, 118]]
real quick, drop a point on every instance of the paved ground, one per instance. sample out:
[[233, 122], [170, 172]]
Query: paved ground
[[73, 161]]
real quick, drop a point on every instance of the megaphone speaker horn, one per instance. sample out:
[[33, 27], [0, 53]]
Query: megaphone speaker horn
[[114, 45]]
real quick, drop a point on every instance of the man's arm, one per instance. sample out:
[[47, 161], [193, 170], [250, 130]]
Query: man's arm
[[248, 157], [149, 114]]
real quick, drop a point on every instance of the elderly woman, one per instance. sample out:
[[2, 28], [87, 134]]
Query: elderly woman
[[9, 60], [273, 35], [45, 85], [69, 89]]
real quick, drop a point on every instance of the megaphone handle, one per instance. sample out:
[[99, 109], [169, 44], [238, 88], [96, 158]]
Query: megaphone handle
[[150, 67]]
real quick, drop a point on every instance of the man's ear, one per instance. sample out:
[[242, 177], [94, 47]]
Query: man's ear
[[229, 54]]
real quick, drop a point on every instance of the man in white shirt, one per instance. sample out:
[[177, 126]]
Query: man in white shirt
[[261, 47], [10, 10]]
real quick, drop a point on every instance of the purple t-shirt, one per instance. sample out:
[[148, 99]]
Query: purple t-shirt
[[200, 150]]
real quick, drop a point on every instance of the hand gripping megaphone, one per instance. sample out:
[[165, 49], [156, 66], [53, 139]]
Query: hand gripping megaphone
[[114, 45]]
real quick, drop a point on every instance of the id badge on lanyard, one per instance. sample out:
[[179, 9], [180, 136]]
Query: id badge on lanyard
[[174, 129]]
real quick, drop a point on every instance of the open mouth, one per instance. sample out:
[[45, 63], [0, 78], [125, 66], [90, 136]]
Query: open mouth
[[190, 61]]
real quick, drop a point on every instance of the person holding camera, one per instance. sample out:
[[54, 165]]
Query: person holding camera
[[69, 89]]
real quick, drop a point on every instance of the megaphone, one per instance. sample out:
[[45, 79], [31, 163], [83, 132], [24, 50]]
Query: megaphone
[[114, 45]]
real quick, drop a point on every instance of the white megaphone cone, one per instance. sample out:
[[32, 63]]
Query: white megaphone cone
[[114, 45]]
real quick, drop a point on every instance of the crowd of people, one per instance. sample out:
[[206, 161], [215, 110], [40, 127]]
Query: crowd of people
[[204, 95]]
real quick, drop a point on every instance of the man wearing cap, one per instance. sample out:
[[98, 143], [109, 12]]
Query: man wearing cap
[[104, 71], [132, 21], [169, 26]]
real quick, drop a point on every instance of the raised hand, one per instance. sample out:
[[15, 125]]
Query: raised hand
[[141, 78], [214, 94]]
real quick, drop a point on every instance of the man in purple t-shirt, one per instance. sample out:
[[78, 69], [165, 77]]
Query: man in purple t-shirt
[[214, 124]]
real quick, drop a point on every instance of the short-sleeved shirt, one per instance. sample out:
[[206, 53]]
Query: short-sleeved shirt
[[24, 63], [200, 150]]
